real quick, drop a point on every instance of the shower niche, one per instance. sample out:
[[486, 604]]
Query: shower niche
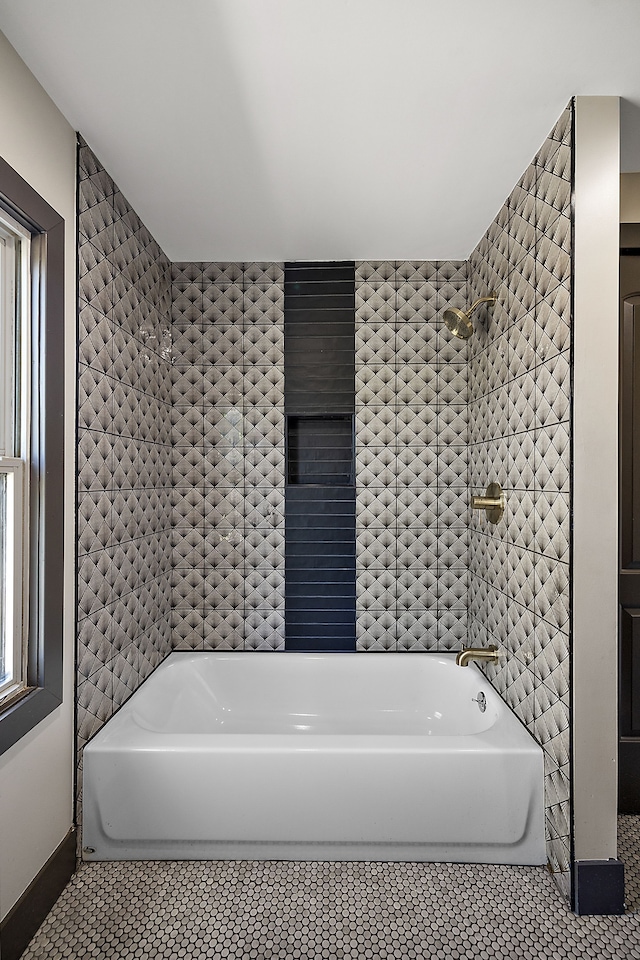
[[320, 450]]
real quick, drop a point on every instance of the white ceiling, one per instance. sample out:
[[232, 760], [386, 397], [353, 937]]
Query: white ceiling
[[324, 129]]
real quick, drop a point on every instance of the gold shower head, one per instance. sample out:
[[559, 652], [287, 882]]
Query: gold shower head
[[459, 322]]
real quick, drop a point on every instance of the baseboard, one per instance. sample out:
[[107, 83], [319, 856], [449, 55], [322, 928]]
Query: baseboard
[[598, 887], [24, 918]]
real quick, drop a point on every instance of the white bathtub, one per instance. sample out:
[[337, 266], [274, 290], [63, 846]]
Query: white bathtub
[[314, 757]]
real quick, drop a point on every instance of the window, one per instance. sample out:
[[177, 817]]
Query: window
[[31, 456], [15, 272]]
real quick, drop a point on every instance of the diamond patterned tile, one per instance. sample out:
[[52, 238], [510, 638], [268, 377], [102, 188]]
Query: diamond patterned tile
[[553, 257], [452, 384], [375, 548], [417, 384], [94, 704], [415, 301], [95, 522], [376, 465], [452, 508], [452, 424], [415, 467], [553, 323], [94, 586], [523, 393], [95, 333], [523, 288], [375, 426], [188, 386], [186, 312], [420, 425], [263, 506], [187, 628], [553, 189], [375, 270], [222, 304], [222, 274], [94, 641], [186, 272], [521, 566], [96, 217], [264, 588], [551, 598], [521, 694], [421, 271], [223, 630], [376, 589], [497, 619], [496, 564], [418, 340], [375, 385], [376, 507], [375, 343], [552, 525], [264, 630], [452, 547], [553, 389], [95, 400], [556, 678], [452, 588], [521, 516], [375, 300], [521, 641], [417, 631], [375, 630], [453, 466], [452, 629], [417, 506], [416, 590], [524, 454]]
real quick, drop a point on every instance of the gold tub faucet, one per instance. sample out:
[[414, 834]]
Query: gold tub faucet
[[489, 654]]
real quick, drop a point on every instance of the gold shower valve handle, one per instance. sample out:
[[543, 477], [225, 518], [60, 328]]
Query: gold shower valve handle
[[492, 503]]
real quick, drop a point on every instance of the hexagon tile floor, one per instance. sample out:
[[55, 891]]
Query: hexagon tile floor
[[629, 853], [277, 910]]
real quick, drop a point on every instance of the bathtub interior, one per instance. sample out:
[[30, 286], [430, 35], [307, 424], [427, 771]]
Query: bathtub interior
[[305, 694]]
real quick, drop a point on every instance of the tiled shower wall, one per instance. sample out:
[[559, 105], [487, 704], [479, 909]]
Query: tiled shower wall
[[124, 449], [411, 457], [519, 435], [228, 456], [228, 443]]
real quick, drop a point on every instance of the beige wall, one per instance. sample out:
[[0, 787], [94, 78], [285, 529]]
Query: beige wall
[[595, 497], [36, 773], [630, 198]]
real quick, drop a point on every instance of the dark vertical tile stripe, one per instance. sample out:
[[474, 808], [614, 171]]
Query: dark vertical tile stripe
[[320, 570]]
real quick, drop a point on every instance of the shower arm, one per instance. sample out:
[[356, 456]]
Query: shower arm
[[491, 299]]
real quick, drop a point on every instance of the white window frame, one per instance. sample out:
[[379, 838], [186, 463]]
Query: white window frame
[[15, 427]]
